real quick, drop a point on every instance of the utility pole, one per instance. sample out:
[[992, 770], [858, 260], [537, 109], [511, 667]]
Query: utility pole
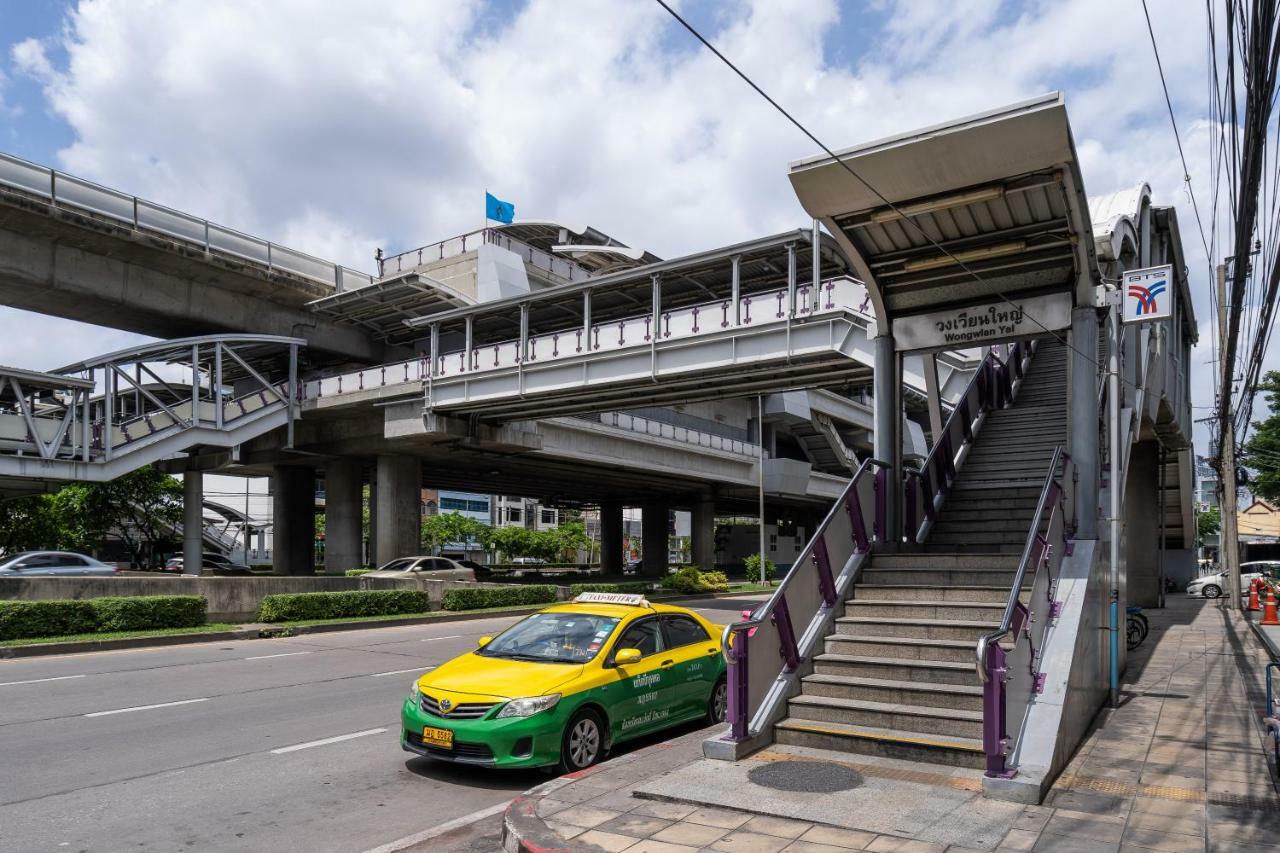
[[1228, 548]]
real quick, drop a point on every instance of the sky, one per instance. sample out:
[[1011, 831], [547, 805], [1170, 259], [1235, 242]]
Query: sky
[[338, 128]]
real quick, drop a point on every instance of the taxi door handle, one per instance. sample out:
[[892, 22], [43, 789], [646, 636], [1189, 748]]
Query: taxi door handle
[[666, 663]]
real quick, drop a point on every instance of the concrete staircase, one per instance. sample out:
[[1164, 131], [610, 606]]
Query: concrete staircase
[[896, 678]]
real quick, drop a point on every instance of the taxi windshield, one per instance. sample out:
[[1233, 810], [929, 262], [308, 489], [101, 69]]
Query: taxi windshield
[[553, 638]]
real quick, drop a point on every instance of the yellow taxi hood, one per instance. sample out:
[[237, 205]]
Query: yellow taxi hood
[[498, 678]]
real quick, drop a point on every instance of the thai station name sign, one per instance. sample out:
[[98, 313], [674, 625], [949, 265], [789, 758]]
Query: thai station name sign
[[1147, 294], [981, 324]]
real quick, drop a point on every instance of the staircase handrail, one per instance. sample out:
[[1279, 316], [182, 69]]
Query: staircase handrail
[[777, 617], [1057, 498]]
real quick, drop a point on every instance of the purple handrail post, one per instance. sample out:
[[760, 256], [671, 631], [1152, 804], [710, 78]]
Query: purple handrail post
[[882, 497], [993, 713], [859, 527], [789, 651], [910, 499], [737, 666], [822, 562]]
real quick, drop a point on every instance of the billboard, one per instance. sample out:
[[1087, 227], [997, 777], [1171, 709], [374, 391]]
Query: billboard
[[1148, 294]]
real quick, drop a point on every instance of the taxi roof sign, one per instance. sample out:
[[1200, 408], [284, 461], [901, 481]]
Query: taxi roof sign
[[625, 598]]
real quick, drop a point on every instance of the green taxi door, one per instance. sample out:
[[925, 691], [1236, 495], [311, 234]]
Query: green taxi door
[[645, 699], [696, 663]]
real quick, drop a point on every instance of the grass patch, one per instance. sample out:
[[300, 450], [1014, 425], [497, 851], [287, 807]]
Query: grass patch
[[121, 635], [434, 614]]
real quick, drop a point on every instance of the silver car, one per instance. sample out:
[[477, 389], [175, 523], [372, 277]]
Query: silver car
[[55, 563], [430, 568]]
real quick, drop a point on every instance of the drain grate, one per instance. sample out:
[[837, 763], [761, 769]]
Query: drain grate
[[808, 777]]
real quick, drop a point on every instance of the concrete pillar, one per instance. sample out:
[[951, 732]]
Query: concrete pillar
[[703, 533], [611, 537], [293, 512], [654, 530], [399, 518], [192, 522], [1084, 419], [1140, 583], [343, 486], [887, 443], [372, 550]]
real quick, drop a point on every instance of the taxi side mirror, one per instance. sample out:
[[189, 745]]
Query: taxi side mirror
[[484, 641], [625, 657]]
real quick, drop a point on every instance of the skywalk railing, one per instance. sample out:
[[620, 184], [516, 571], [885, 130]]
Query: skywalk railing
[[764, 650], [473, 240], [76, 193], [836, 295], [1013, 676]]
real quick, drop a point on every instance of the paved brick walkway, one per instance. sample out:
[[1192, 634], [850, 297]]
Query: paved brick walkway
[[1179, 766]]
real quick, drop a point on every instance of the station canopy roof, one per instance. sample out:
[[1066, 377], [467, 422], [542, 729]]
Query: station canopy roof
[[383, 306]]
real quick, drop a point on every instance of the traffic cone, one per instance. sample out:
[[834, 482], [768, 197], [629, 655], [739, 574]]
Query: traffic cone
[[1269, 616], [1254, 585]]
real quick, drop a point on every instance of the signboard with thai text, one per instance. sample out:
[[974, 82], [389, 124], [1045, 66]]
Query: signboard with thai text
[[978, 325]]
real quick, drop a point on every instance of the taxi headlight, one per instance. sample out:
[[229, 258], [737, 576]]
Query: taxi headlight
[[528, 707], [415, 695]]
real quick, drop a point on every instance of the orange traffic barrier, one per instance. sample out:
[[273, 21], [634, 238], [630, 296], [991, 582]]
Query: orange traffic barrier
[[1254, 586], [1269, 616]]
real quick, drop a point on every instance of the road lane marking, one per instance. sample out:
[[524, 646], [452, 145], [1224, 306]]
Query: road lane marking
[[297, 746], [437, 831], [146, 707], [281, 655], [392, 672], [39, 680], [446, 637]]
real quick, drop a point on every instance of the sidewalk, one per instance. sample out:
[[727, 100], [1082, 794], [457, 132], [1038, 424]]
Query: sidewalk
[[1179, 766]]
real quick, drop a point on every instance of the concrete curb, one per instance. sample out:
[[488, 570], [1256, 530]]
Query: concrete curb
[[524, 832], [260, 632], [1263, 636]]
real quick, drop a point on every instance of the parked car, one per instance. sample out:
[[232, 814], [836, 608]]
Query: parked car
[[472, 565], [211, 564], [433, 568], [1212, 586], [59, 563], [631, 567]]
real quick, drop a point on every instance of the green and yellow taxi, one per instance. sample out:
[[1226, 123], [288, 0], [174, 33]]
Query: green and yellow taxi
[[562, 686]]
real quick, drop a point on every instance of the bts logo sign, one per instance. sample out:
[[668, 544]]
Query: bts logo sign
[[1148, 294]]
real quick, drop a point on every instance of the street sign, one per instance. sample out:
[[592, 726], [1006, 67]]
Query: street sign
[[1148, 294]]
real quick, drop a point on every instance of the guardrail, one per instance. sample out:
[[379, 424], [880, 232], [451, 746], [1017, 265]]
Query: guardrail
[[472, 240], [811, 590], [69, 191], [1012, 678]]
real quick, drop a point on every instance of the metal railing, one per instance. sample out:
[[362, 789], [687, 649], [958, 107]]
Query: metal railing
[[71, 192], [990, 387], [473, 240], [1012, 677], [764, 650]]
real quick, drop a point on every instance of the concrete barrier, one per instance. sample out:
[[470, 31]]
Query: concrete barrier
[[231, 599]]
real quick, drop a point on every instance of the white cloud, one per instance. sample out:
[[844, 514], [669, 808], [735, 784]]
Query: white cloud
[[336, 130]]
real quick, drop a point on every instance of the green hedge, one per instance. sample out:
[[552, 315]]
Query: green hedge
[[56, 617], [689, 580], [510, 596], [638, 587], [355, 573], [336, 605]]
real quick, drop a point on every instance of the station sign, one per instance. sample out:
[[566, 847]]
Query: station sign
[[1148, 294], [977, 325]]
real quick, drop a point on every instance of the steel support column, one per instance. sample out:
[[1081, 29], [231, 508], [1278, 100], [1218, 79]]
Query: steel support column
[[1084, 419], [192, 522], [888, 421]]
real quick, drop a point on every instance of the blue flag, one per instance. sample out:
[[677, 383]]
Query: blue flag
[[497, 209]]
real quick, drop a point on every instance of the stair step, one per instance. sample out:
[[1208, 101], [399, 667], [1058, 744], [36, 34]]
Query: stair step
[[960, 697], [896, 669], [987, 505], [964, 490], [991, 524], [901, 648], [909, 609], [936, 592], [936, 578], [993, 538], [913, 719], [915, 628], [881, 562], [1007, 549], [885, 743], [1022, 511]]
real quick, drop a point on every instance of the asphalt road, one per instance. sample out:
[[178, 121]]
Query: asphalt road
[[282, 744]]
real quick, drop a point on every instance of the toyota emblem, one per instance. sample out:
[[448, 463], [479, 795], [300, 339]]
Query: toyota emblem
[[445, 705]]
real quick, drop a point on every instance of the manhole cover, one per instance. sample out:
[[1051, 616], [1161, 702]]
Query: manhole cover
[[812, 777]]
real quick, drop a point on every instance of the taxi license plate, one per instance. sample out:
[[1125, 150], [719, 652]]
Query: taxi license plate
[[442, 738]]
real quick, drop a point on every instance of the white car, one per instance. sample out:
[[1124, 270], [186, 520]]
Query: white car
[[53, 563], [430, 568], [1212, 586]]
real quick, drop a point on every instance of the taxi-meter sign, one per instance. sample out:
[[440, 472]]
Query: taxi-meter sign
[[1148, 294]]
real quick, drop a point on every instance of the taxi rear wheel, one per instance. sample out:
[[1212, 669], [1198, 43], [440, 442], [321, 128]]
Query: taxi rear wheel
[[718, 704], [583, 741]]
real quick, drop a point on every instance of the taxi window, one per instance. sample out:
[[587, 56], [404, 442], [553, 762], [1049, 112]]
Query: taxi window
[[682, 631], [643, 635], [553, 637]]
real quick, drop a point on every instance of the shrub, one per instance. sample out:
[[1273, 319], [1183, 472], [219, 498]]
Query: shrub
[[507, 596], [355, 573], [689, 580], [753, 568], [54, 618], [141, 612], [636, 587], [292, 607], [20, 619]]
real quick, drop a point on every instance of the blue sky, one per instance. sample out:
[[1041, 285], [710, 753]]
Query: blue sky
[[34, 132]]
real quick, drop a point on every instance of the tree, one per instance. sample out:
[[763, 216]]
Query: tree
[[143, 508], [1261, 453], [1208, 523], [29, 524], [448, 527]]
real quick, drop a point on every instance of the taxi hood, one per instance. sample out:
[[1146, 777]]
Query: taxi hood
[[498, 678]]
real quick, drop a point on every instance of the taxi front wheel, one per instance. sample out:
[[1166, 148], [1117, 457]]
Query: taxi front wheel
[[583, 741], [718, 704]]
